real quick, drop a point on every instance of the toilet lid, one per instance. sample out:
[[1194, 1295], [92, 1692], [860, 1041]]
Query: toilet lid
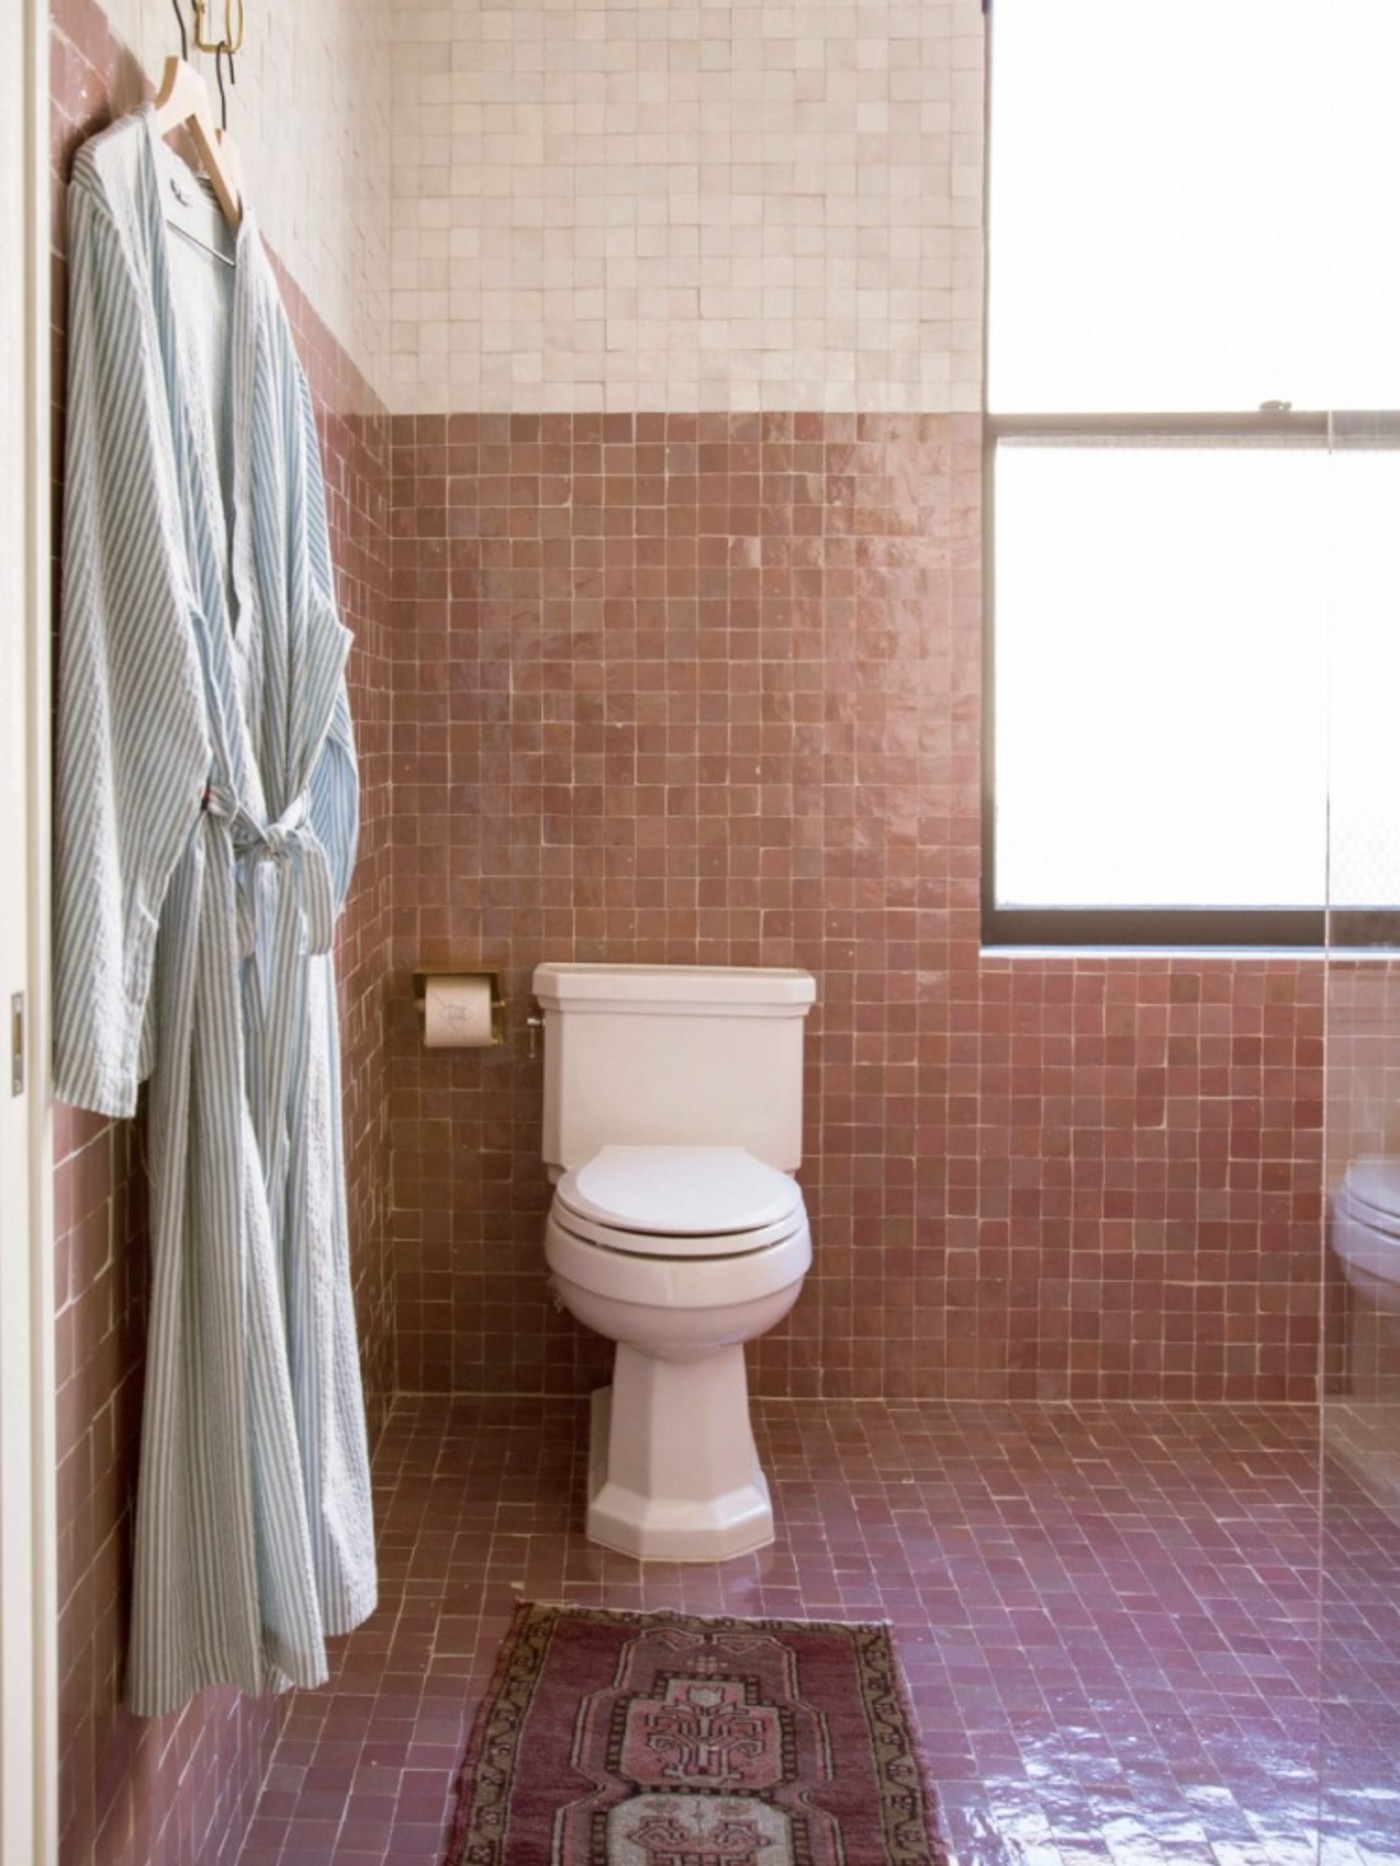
[[714, 1198]]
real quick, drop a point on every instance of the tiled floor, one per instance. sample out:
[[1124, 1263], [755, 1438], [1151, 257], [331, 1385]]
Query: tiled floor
[[1108, 1617], [1363, 1439], [1361, 1658]]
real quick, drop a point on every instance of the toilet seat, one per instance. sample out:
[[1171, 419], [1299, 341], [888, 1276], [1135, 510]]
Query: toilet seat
[[668, 1201]]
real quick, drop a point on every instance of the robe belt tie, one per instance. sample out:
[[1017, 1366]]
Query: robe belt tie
[[271, 914]]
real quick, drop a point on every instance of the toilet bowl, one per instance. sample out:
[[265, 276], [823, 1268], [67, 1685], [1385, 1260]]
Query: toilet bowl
[[1365, 1231], [672, 1130], [679, 1254]]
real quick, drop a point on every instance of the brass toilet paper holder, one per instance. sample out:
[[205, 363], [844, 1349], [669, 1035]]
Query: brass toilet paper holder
[[425, 977]]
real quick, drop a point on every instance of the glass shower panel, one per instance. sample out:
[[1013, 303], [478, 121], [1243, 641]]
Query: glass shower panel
[[1358, 42], [1359, 1666], [1360, 1538]]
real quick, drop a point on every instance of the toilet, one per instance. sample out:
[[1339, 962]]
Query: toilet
[[1366, 1229], [672, 1130]]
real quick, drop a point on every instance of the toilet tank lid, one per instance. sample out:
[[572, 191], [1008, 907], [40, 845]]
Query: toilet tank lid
[[678, 987], [680, 1191]]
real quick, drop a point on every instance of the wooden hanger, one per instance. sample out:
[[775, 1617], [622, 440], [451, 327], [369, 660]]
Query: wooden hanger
[[182, 102]]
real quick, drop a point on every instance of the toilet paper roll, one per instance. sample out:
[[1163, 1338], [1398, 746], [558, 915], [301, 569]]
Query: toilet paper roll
[[457, 1013]]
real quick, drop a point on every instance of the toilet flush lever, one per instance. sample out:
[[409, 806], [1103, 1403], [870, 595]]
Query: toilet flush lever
[[534, 1024]]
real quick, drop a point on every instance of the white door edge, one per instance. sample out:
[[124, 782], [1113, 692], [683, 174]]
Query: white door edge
[[28, 1565]]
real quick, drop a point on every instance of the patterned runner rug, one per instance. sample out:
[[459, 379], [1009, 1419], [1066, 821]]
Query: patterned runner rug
[[626, 1739]]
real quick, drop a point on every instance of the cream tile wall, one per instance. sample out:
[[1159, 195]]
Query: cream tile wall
[[712, 204], [310, 114]]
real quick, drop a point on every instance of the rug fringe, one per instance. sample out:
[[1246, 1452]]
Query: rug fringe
[[480, 1720], [705, 1613]]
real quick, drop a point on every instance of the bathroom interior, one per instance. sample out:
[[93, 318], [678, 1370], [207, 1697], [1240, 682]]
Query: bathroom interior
[[646, 343]]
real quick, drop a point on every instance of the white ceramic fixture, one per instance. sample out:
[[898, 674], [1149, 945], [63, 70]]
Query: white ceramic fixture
[[672, 1129], [1366, 1229]]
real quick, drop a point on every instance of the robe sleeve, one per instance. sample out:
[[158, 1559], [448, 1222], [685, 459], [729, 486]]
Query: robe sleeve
[[133, 747], [334, 786]]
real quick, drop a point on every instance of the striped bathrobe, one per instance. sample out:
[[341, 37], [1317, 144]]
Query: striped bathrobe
[[206, 817]]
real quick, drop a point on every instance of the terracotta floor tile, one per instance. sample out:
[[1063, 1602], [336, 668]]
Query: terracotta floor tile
[[1125, 1630]]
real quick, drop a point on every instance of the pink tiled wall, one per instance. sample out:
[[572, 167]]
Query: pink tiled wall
[[177, 1789], [706, 689]]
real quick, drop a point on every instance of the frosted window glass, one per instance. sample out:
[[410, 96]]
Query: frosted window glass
[[1160, 676], [1363, 592], [1195, 204]]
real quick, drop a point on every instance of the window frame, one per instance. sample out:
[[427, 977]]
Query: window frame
[[1313, 928], [1149, 928]]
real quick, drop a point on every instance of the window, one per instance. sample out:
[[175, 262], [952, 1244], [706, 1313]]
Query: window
[[1194, 537]]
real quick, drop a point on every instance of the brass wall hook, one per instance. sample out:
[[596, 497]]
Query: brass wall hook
[[220, 53], [232, 39]]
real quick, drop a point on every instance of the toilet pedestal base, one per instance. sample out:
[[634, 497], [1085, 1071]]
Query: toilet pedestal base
[[673, 1473]]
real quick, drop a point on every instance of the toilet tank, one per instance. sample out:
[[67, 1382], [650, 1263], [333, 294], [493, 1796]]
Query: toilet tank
[[643, 1055]]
